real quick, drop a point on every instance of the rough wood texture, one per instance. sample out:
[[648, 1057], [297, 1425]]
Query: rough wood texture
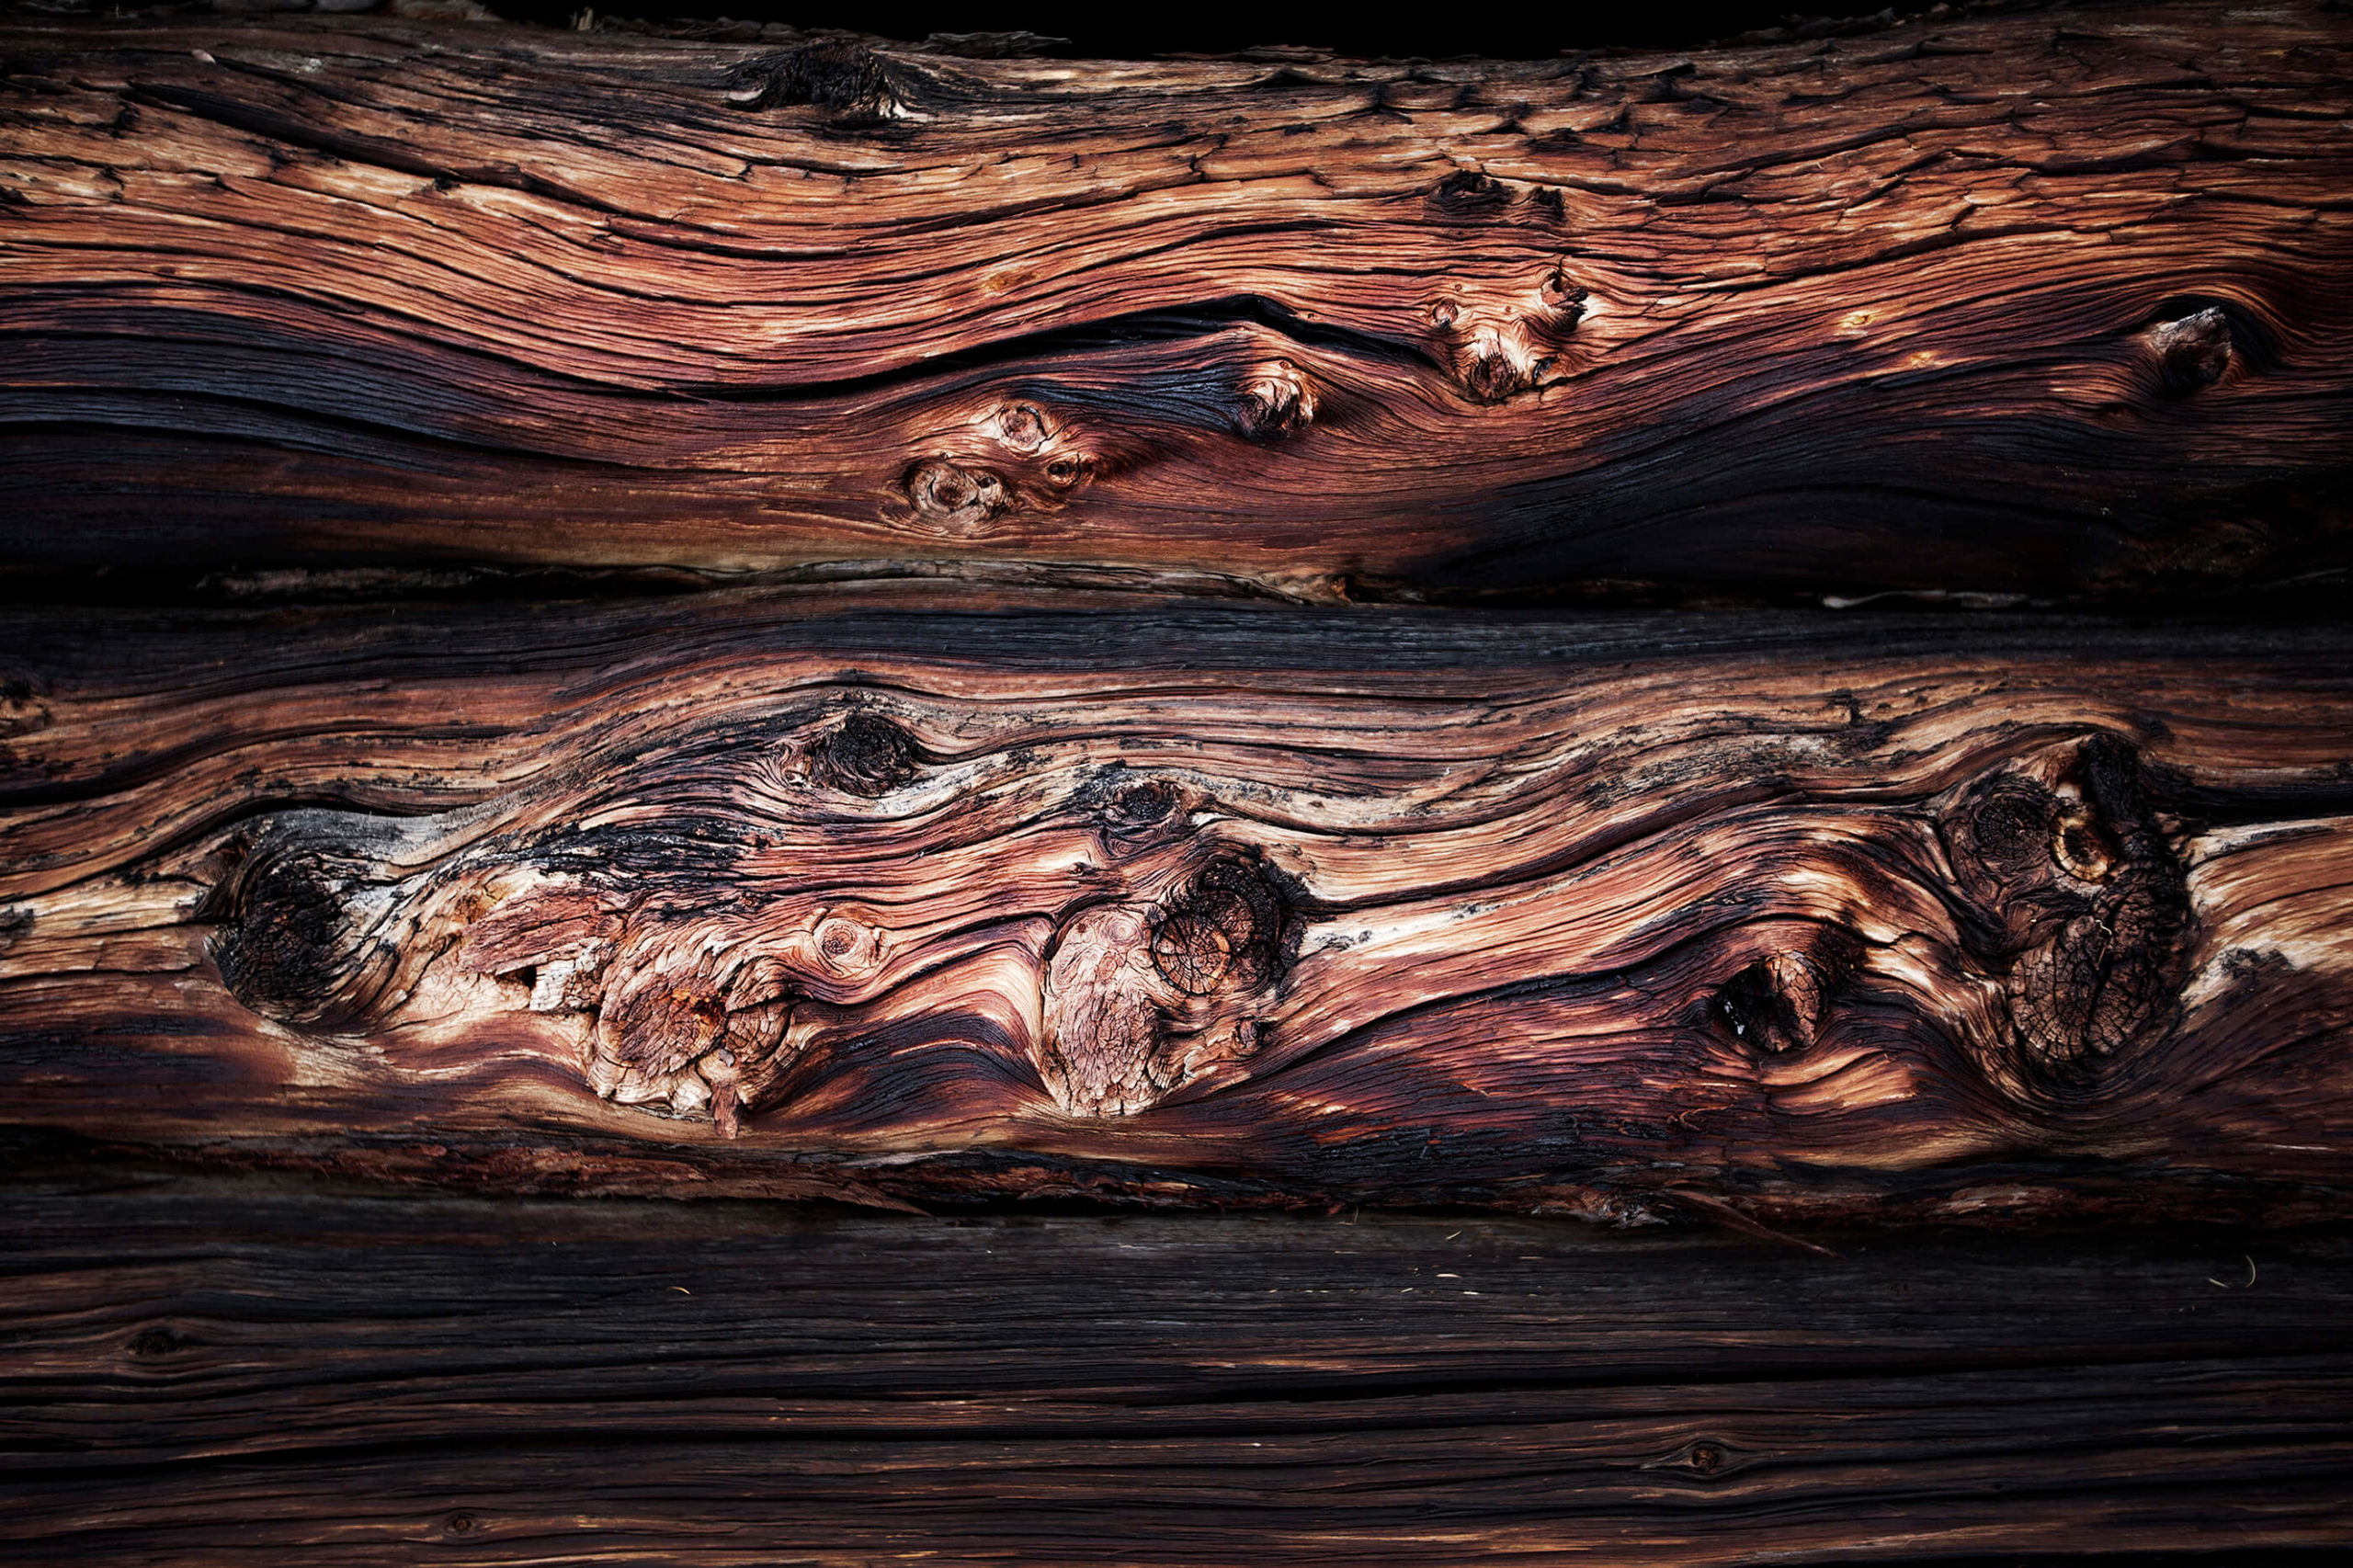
[[226, 1372], [2032, 303], [1621, 917]]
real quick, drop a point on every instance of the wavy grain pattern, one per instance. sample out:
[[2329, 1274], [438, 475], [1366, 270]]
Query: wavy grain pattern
[[1277, 906], [2039, 303]]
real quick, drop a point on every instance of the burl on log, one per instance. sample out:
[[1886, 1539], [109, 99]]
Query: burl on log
[[2042, 303], [1195, 905]]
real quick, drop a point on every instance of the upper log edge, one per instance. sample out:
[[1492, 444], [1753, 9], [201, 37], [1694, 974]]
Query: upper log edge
[[2009, 305]]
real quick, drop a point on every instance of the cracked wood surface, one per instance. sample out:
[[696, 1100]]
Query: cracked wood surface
[[850, 893], [2041, 303], [213, 1370]]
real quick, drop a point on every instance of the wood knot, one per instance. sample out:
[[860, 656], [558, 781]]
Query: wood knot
[[845, 80], [849, 946], [1221, 929], [1704, 1456], [1024, 428], [686, 1011], [2086, 911], [1466, 193], [953, 497], [1275, 400], [1492, 369], [1130, 813], [1779, 1003], [149, 1343], [1014, 457], [1141, 999], [286, 948], [699, 1025], [299, 917], [1561, 300], [2193, 351], [866, 755], [1498, 347]]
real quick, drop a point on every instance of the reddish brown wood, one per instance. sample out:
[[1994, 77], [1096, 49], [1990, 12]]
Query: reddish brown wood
[[1624, 917], [2041, 302], [1756, 920], [212, 1372]]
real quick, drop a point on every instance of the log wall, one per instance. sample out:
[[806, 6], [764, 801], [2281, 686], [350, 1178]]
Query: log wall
[[1586, 810]]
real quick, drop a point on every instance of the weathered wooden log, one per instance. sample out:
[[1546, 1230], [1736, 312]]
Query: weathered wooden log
[[1618, 917], [220, 1371], [2039, 303]]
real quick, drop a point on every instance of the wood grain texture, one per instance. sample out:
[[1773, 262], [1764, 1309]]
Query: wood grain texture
[[2042, 303], [215, 1371], [1629, 917]]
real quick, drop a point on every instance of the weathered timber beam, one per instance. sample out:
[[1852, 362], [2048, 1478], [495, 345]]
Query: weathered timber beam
[[217, 1371], [2044, 303], [809, 894]]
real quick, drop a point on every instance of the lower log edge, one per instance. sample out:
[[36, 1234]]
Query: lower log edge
[[1672, 932], [197, 1369]]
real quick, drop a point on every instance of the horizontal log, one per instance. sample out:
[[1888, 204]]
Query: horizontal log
[[202, 1372], [2037, 303], [1755, 917]]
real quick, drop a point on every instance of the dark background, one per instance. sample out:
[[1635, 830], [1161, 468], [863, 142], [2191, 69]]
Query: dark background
[[1433, 31]]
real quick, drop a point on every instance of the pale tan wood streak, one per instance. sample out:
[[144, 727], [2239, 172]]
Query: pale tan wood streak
[[2038, 302], [1577, 913]]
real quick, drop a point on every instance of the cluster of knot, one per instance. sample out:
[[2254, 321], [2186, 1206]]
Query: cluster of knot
[[1143, 998], [1017, 459], [2087, 908], [1501, 343]]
